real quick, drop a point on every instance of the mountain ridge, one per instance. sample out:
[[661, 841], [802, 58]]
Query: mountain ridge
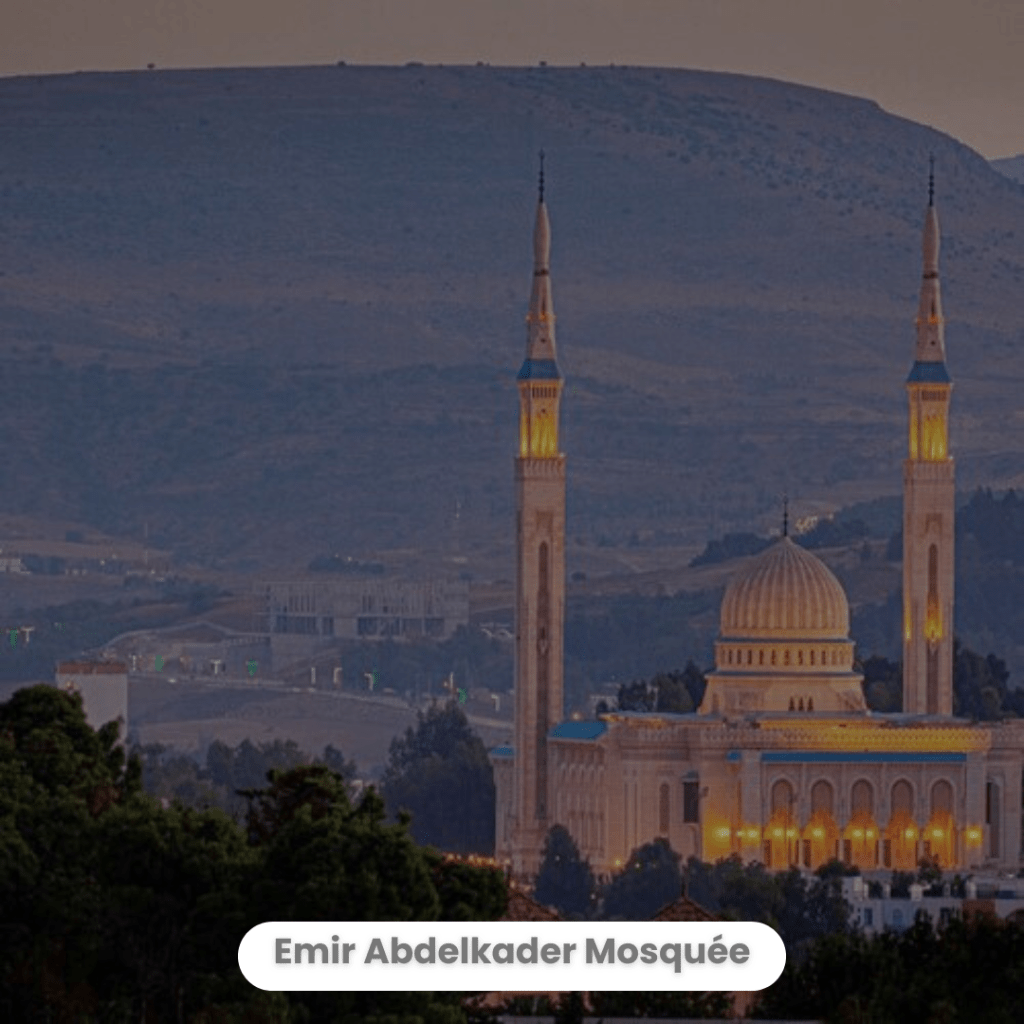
[[276, 312]]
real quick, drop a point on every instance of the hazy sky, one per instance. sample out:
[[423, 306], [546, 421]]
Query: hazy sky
[[955, 64]]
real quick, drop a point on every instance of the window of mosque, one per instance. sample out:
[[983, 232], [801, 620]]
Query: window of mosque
[[812, 657], [785, 658], [773, 657], [799, 657], [760, 658], [691, 802]]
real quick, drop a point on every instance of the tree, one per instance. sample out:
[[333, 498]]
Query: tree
[[650, 880], [883, 684], [565, 880], [440, 774], [673, 696], [635, 696], [115, 907]]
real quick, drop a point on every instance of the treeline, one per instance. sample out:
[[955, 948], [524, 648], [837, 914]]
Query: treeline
[[800, 909], [967, 970], [438, 774], [826, 533], [116, 908], [226, 773], [981, 689]]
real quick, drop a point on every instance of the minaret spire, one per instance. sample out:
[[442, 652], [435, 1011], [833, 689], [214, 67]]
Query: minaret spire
[[540, 338], [928, 499], [931, 344]]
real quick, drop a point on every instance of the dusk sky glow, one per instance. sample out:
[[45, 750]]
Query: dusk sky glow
[[951, 64]]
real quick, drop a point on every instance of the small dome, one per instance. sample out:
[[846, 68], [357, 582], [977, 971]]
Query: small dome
[[786, 593]]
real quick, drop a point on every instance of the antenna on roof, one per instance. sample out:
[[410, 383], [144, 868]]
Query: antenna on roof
[[785, 515], [540, 183], [931, 179]]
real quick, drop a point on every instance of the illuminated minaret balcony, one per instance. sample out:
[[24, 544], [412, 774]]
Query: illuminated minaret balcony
[[539, 379]]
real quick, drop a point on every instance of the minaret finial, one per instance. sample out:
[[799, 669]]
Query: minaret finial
[[931, 179], [785, 515], [540, 181]]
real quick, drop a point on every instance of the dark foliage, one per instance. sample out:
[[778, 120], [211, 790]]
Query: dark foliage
[[650, 880], [440, 774], [968, 971], [565, 880], [228, 771], [115, 908], [668, 692], [798, 909], [732, 545]]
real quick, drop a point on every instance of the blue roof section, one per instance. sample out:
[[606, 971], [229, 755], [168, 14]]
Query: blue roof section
[[578, 730], [503, 752], [862, 757], [539, 369], [929, 373]]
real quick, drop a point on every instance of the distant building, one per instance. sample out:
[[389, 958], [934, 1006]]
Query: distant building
[[1002, 899], [366, 609], [104, 689]]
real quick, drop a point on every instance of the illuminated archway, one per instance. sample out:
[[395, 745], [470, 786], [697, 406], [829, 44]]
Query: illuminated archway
[[822, 833], [901, 835], [861, 835], [782, 833], [940, 832]]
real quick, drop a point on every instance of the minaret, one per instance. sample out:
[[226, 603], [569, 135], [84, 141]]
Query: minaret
[[928, 502], [540, 561]]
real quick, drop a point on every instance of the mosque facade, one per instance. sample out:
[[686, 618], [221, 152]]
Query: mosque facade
[[783, 762]]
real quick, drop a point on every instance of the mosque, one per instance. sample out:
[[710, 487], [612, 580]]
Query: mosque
[[783, 763]]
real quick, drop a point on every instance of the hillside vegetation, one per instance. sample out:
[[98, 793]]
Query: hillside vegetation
[[278, 312]]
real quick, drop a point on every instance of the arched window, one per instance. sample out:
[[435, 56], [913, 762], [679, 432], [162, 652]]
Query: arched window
[[822, 797], [782, 796], [902, 799], [942, 797], [862, 798]]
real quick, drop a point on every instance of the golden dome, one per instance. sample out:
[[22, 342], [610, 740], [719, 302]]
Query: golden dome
[[786, 593]]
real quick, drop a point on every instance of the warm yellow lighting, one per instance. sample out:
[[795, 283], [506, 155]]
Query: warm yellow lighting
[[973, 836], [818, 833], [538, 421], [858, 833], [933, 437], [722, 832], [778, 833], [618, 863], [791, 833], [933, 620], [870, 833], [910, 833]]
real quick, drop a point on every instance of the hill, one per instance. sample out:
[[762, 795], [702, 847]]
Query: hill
[[277, 313]]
